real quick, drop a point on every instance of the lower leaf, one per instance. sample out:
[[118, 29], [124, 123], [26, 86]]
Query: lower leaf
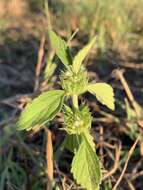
[[86, 167], [72, 142]]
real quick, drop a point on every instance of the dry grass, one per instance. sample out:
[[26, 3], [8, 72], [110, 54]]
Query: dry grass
[[12, 8]]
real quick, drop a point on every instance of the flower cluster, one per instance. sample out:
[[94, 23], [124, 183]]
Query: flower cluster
[[77, 121], [72, 83]]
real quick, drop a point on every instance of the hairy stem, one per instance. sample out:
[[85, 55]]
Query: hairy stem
[[75, 101]]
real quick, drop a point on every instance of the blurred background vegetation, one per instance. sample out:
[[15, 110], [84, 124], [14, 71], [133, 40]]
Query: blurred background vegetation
[[118, 25]]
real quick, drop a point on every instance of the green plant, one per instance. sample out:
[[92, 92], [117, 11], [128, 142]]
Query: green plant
[[86, 167]]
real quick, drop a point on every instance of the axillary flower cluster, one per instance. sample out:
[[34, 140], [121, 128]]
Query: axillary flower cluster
[[77, 121], [74, 83]]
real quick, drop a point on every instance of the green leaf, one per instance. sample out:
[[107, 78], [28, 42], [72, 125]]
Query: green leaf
[[89, 139], [41, 109], [61, 48], [78, 59], [86, 167], [72, 142], [104, 94]]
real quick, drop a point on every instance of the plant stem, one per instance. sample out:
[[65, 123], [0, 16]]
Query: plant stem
[[73, 35], [47, 12], [75, 101]]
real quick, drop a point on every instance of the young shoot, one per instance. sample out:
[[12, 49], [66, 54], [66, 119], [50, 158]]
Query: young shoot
[[85, 167]]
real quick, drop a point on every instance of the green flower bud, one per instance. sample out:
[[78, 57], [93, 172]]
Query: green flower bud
[[72, 83], [77, 121]]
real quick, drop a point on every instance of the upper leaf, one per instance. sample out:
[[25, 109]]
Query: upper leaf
[[61, 48], [104, 94], [41, 109], [86, 167], [78, 59]]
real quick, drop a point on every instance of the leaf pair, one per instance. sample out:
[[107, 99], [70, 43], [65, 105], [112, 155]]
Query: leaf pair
[[63, 52], [48, 104]]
